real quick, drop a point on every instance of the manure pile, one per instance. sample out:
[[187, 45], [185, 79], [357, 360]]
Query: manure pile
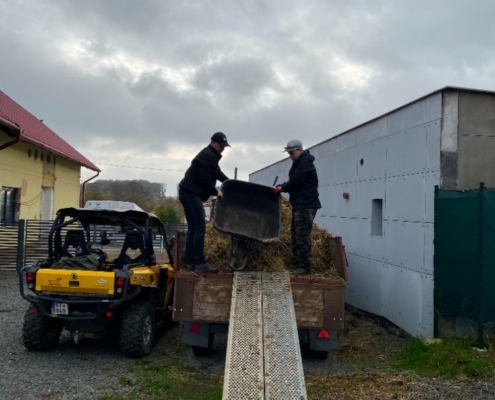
[[273, 256]]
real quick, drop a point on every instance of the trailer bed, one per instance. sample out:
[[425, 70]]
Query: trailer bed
[[318, 302]]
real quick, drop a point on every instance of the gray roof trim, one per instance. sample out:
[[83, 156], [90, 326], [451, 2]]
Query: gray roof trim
[[444, 89]]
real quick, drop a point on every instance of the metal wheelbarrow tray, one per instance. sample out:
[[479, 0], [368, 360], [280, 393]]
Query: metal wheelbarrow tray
[[248, 211]]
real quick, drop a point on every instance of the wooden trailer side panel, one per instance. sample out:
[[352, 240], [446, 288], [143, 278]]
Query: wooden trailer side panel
[[212, 298], [202, 299], [317, 305], [334, 309], [183, 299], [308, 305]]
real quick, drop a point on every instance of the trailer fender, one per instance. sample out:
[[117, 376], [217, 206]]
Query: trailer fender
[[198, 333], [318, 340]]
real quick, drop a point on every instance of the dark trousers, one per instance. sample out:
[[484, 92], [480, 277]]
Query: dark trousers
[[302, 224], [196, 226]]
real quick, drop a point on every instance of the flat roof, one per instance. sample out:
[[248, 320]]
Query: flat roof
[[444, 89]]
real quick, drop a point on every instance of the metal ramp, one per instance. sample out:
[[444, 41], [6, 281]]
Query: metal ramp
[[263, 354]]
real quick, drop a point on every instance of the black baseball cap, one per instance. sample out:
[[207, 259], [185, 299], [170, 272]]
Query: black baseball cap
[[221, 139]]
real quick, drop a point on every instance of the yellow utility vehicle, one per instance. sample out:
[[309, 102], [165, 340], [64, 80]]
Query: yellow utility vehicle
[[92, 285]]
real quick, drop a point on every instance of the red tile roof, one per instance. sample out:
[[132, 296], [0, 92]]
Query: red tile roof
[[36, 132], [9, 124]]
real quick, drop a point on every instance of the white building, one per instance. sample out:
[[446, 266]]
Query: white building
[[377, 184]]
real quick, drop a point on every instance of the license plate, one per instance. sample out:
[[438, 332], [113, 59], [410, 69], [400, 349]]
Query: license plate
[[60, 308]]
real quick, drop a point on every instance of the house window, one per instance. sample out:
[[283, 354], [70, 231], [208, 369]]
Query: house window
[[377, 217], [10, 204]]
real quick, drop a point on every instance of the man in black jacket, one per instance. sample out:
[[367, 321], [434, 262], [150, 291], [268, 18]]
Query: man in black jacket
[[302, 187], [196, 187]]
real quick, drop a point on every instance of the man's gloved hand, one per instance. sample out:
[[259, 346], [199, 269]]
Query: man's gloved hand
[[277, 189]]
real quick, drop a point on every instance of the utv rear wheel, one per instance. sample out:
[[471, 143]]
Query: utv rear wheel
[[40, 333], [137, 330]]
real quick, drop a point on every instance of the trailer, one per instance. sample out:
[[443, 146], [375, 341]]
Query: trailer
[[203, 304], [203, 301]]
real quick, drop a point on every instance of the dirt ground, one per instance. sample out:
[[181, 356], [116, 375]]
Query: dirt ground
[[365, 349], [360, 369]]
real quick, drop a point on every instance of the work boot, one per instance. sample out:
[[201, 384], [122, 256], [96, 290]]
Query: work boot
[[205, 268], [190, 267], [300, 271]]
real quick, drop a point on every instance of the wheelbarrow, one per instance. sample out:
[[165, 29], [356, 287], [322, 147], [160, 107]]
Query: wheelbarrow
[[250, 213]]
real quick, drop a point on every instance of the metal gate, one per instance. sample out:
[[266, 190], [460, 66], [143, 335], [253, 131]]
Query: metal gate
[[35, 241], [24, 242], [8, 245]]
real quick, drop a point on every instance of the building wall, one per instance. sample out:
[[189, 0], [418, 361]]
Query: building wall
[[476, 140], [29, 169], [67, 184], [395, 158]]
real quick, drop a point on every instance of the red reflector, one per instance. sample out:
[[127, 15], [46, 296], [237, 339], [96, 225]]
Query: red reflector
[[194, 328], [120, 281], [323, 334], [109, 314], [30, 277], [34, 310]]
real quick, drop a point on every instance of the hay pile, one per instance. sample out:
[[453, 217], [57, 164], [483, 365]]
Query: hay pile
[[274, 256]]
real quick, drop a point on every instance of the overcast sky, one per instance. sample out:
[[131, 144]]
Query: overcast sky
[[138, 87]]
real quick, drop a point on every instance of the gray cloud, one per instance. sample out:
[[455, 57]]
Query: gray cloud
[[158, 78]]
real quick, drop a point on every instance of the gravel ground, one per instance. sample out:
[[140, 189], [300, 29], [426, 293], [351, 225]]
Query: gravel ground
[[83, 371], [93, 368]]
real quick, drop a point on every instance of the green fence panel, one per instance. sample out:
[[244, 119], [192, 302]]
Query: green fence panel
[[456, 244], [488, 277], [464, 267]]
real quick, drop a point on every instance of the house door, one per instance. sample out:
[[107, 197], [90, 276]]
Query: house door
[[46, 204]]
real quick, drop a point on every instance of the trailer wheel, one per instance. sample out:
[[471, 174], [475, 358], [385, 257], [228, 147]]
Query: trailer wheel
[[137, 330], [40, 333], [204, 351]]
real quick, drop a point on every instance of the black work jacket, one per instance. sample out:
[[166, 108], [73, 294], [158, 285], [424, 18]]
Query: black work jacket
[[302, 185], [202, 175]]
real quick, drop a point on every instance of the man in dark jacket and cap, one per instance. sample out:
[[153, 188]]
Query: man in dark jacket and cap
[[302, 187], [195, 188]]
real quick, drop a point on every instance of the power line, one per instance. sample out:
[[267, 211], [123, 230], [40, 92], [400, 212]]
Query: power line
[[148, 168]]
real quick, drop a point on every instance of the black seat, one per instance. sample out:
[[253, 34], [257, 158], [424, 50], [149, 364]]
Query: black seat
[[134, 240], [104, 240], [75, 239]]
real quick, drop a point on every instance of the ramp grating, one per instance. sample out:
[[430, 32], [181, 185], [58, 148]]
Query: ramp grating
[[244, 362], [263, 353], [284, 375]]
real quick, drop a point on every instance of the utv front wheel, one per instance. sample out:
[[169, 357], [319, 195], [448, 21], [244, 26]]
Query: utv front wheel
[[137, 330], [40, 333]]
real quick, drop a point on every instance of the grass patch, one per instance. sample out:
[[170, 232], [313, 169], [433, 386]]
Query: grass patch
[[170, 380], [448, 358], [164, 375]]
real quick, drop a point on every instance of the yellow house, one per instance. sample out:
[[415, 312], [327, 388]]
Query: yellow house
[[39, 171]]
